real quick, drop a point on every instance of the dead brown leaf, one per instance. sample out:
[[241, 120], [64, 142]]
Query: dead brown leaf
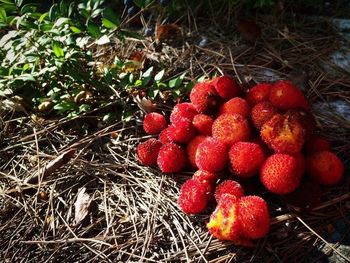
[[82, 205]]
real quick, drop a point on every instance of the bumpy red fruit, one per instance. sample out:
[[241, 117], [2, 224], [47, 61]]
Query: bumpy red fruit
[[205, 176], [281, 174], [258, 93], [154, 123], [171, 158], [246, 159], [325, 168], [316, 144], [203, 123], [192, 149], [228, 187], [164, 136], [231, 128], [226, 87], [183, 112], [147, 151], [285, 95], [254, 217], [211, 155], [193, 197], [204, 97], [236, 106], [223, 223], [208, 179], [283, 134], [181, 132], [261, 113]]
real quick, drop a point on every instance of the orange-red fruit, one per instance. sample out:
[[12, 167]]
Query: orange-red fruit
[[228, 187], [203, 123], [223, 223], [205, 176], [262, 112], [236, 106], [192, 149], [154, 123], [281, 173], [181, 132], [164, 136], [283, 134], [325, 168], [226, 87], [285, 95], [204, 97], [316, 144], [171, 158], [147, 151], [183, 112], [211, 155], [193, 197], [258, 93], [253, 217], [246, 159], [231, 128]]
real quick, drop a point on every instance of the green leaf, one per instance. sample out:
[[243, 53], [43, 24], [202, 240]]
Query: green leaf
[[75, 30], [53, 13], [3, 16], [18, 2], [61, 21], [42, 17], [108, 24], [111, 16], [159, 75], [63, 8], [147, 73], [56, 47], [175, 83], [65, 106], [93, 30], [6, 1], [28, 8]]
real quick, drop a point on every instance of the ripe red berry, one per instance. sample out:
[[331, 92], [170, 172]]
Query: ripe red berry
[[211, 155], [181, 132], [261, 113], [231, 128], [193, 197], [204, 97], [258, 93], [171, 158], [253, 217], [203, 123], [147, 151], [226, 87], [285, 95], [281, 173], [246, 159], [183, 112], [236, 106], [154, 123], [325, 168], [283, 134], [228, 187], [192, 147]]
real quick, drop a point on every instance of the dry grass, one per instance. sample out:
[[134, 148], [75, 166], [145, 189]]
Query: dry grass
[[133, 215]]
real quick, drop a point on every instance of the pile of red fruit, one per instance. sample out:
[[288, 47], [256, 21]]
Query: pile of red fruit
[[266, 132]]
